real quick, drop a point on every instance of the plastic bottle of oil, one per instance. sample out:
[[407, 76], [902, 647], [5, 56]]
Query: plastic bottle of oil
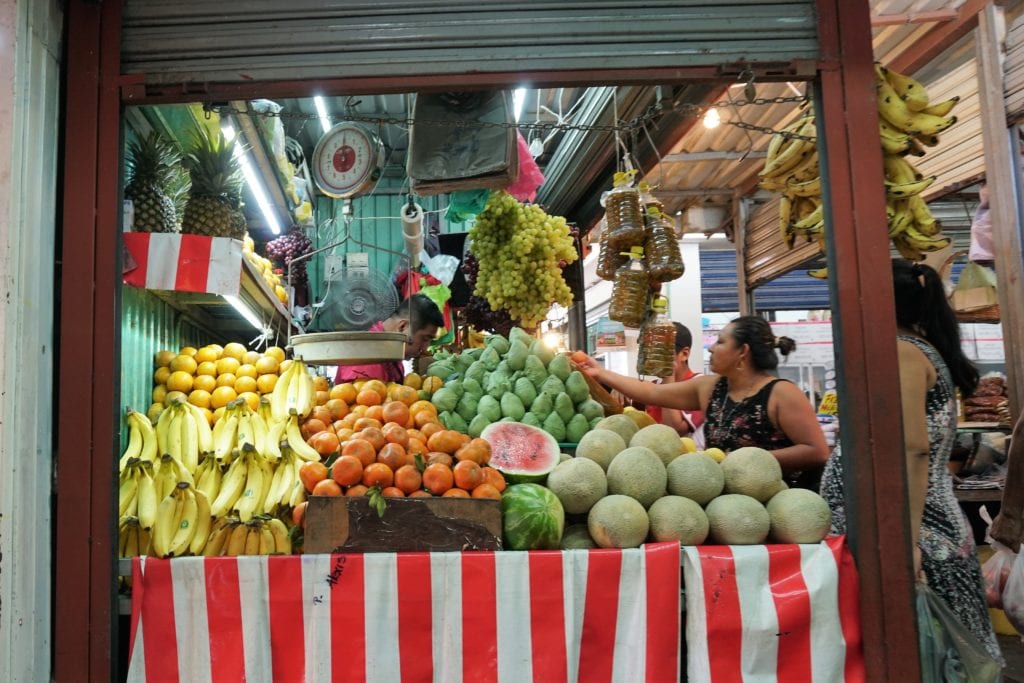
[[623, 214], [657, 342], [664, 259], [629, 293], [609, 260], [647, 200]]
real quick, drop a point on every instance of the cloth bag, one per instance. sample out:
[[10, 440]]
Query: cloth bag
[[949, 652]]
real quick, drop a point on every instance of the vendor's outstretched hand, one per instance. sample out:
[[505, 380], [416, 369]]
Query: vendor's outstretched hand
[[585, 363]]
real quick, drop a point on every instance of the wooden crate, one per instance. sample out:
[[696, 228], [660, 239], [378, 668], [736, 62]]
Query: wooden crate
[[345, 524]]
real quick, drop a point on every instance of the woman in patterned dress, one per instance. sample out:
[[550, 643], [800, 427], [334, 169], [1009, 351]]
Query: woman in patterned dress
[[744, 404], [932, 366]]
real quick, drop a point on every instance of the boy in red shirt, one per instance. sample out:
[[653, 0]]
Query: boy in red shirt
[[684, 422]]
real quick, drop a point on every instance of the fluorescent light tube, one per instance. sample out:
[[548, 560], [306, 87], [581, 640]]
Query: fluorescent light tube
[[518, 100], [321, 111], [253, 179], [244, 310]]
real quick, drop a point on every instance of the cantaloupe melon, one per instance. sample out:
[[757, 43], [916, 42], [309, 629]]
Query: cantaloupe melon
[[674, 518], [621, 425], [618, 522], [798, 516], [578, 483], [577, 537], [695, 476], [735, 519], [661, 439], [600, 445], [752, 472], [638, 473]]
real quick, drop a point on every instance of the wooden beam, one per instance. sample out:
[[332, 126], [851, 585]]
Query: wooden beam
[[935, 42], [692, 157], [1006, 230], [864, 327], [740, 215], [914, 17]]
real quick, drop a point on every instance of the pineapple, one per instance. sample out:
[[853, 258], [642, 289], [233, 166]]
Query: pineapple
[[214, 203], [151, 166]]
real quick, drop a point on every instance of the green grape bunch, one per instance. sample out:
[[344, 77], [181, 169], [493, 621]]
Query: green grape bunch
[[521, 252]]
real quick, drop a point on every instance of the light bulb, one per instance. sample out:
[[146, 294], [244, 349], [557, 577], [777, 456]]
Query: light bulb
[[711, 118]]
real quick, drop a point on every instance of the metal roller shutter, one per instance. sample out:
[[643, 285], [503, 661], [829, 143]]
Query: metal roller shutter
[[767, 256], [1013, 71], [792, 291], [181, 41]]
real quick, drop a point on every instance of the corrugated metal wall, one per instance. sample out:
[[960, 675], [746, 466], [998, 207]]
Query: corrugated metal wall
[[794, 290], [174, 41], [1013, 70], [767, 256]]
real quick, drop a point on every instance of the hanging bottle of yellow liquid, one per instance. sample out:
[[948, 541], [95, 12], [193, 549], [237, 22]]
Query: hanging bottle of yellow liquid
[[657, 342], [623, 215], [629, 293], [661, 246]]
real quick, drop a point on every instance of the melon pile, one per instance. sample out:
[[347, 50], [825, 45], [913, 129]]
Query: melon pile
[[513, 379], [635, 485]]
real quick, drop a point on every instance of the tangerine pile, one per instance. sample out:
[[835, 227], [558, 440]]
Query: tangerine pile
[[370, 434]]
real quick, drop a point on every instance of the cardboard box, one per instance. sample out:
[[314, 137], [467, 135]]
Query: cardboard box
[[409, 525]]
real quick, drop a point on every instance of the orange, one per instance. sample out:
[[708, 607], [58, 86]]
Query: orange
[[310, 427], [374, 436], [200, 398], [228, 365], [174, 397], [432, 384], [358, 411], [327, 487], [437, 478], [244, 384], [187, 351], [161, 375], [163, 358], [312, 473], [234, 350], [377, 386], [320, 383], [207, 367], [325, 443], [456, 493], [275, 352], [423, 406], [442, 458], [180, 381], [357, 490], [186, 364], [222, 396], [266, 365], [208, 414], [205, 382], [336, 408], [347, 422], [431, 428], [299, 514], [207, 354], [266, 383], [321, 413], [420, 493], [250, 357], [494, 478], [247, 371], [477, 450], [392, 492], [217, 348], [344, 434], [415, 434], [226, 380], [361, 449], [364, 422], [445, 441], [347, 470], [359, 384], [252, 398], [467, 475], [375, 413], [346, 392], [367, 397], [406, 395], [413, 380], [486, 490], [392, 455], [395, 411], [322, 397], [159, 393], [416, 447], [408, 478], [378, 473], [394, 433]]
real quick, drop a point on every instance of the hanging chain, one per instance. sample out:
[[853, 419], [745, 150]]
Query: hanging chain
[[768, 130], [633, 126]]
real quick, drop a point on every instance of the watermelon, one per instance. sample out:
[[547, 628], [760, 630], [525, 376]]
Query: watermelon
[[521, 452], [532, 518]]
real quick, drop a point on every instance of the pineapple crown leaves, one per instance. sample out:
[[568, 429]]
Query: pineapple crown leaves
[[212, 167], [151, 160]]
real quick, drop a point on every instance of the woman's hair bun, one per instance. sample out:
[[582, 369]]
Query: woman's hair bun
[[785, 345]]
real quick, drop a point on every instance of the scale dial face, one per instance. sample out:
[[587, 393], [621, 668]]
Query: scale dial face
[[347, 160]]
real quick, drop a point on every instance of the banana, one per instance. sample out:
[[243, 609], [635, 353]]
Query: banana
[[297, 492], [785, 216], [145, 541], [895, 145], [150, 446], [230, 488], [218, 539], [306, 392], [208, 478], [810, 188], [807, 170], [899, 170], [148, 501], [252, 540], [895, 111], [186, 527], [264, 410], [905, 249], [259, 429], [246, 437], [941, 108], [203, 430], [268, 545], [236, 541], [282, 390], [297, 443], [903, 190], [923, 242], [189, 439], [282, 540], [901, 217], [928, 140], [272, 440], [794, 153], [268, 477], [162, 429], [224, 443], [174, 432], [203, 522], [806, 223], [131, 532], [166, 522], [273, 497], [134, 449], [819, 273], [253, 489], [910, 91], [127, 491], [922, 216]]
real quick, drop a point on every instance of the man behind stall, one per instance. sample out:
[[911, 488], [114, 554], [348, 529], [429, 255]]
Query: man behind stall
[[685, 422], [419, 319]]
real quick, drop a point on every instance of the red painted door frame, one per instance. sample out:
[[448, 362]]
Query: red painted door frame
[[88, 422]]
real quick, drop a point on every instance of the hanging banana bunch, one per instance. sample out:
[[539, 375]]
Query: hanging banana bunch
[[908, 124]]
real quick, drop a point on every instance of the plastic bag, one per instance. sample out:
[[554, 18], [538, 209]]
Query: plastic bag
[[981, 231], [949, 651], [996, 572], [1013, 594]]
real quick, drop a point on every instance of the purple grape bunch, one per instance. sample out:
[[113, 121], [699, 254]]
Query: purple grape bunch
[[478, 313], [287, 248]]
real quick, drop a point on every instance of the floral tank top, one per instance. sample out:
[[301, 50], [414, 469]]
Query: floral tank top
[[730, 424]]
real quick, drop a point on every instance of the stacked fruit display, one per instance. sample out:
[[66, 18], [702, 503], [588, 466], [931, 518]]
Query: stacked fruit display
[[287, 248], [628, 485], [514, 379], [188, 489], [266, 270], [521, 251], [908, 124], [213, 376]]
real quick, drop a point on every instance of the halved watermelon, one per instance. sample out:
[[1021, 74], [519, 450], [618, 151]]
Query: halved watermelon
[[521, 452], [532, 518]]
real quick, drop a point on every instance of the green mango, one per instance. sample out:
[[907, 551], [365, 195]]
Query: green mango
[[590, 409], [532, 420], [476, 371], [498, 343], [455, 385], [517, 334], [564, 407], [472, 387], [442, 369], [512, 407], [498, 386], [576, 428], [542, 406], [560, 367], [535, 371], [489, 408], [467, 406], [576, 386], [478, 425], [552, 385], [542, 351], [517, 355], [445, 399], [554, 426], [454, 422], [525, 390], [593, 422], [490, 358]]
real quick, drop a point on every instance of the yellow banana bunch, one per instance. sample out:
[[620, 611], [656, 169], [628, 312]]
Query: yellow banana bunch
[[294, 393], [259, 536], [168, 473], [142, 440], [239, 428], [184, 433], [284, 484], [132, 539], [245, 485], [183, 522]]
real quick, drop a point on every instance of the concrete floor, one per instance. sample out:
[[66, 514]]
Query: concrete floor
[[1013, 651]]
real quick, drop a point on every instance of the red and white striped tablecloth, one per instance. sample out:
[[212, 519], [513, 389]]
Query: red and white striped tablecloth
[[184, 263], [600, 615]]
